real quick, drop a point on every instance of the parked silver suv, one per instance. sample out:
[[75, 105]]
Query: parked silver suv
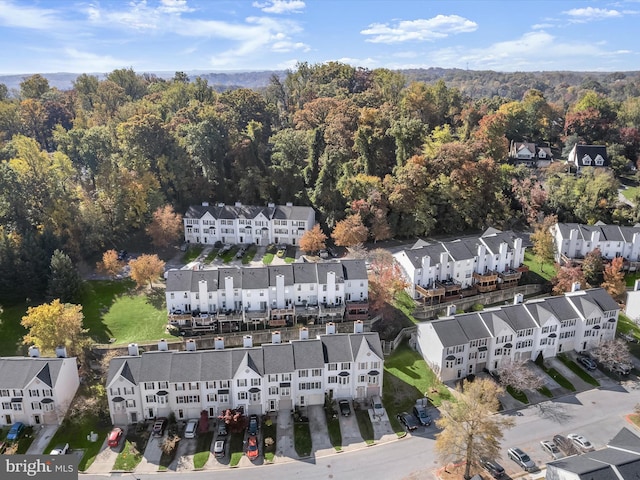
[[522, 459]]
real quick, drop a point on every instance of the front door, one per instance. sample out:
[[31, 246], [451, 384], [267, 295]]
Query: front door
[[7, 419], [36, 419], [151, 413], [272, 406], [134, 417]]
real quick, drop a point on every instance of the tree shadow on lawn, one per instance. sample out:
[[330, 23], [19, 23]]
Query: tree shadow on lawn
[[156, 298], [99, 297]]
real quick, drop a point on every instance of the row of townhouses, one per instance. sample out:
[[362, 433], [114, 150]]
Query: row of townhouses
[[471, 342], [573, 241], [271, 377], [35, 390], [435, 272], [233, 224], [274, 295]]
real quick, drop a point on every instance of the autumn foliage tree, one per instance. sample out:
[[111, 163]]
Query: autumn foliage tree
[[612, 352], [568, 275], [110, 264], [145, 269], [350, 231], [385, 278], [519, 375], [593, 267], [469, 427], [55, 324], [543, 246], [235, 419], [313, 240], [166, 227], [614, 279]]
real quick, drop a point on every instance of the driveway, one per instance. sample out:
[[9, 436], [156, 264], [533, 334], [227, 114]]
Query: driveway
[[107, 457], [151, 458], [351, 437], [184, 456], [382, 431], [284, 436], [42, 438], [320, 442], [575, 380]]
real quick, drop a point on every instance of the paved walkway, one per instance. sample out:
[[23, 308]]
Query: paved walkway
[[151, 458], [43, 435]]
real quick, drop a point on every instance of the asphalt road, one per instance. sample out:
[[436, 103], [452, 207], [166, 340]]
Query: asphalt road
[[598, 414]]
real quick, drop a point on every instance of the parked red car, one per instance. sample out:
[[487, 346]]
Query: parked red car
[[252, 448], [114, 437]]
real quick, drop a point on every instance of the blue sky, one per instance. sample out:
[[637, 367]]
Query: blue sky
[[97, 36]]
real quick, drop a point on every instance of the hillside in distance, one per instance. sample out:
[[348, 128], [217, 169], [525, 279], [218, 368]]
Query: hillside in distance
[[474, 83]]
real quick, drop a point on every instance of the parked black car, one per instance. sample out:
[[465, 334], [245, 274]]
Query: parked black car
[[222, 428], [421, 414], [494, 468], [409, 421], [345, 409]]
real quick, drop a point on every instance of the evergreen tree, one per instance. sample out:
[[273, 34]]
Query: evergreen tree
[[64, 281]]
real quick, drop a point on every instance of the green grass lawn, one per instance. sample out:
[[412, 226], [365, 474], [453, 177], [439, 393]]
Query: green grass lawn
[[75, 432], [236, 448], [132, 451], [268, 258], [333, 427], [517, 394], [117, 310], [211, 256], [249, 254], [579, 371], [230, 255], [25, 441], [560, 380], [545, 391], [364, 424], [192, 253], [270, 430], [630, 193], [407, 378], [203, 449], [302, 438], [406, 305], [11, 332], [547, 272]]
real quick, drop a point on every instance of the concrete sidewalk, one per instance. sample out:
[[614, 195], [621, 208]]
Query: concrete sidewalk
[[43, 435]]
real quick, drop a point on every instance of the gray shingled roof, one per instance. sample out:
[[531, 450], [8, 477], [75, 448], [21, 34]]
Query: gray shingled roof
[[132, 370], [18, 372], [583, 465], [243, 358], [372, 340], [179, 280], [593, 151], [307, 354], [450, 332], [282, 212], [518, 317], [336, 348], [584, 305], [185, 367], [625, 439], [254, 278], [460, 250], [275, 270], [325, 268], [234, 272], [561, 308], [603, 299], [354, 269], [305, 273], [278, 358], [211, 277]]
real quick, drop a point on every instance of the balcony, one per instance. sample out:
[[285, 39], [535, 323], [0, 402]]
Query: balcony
[[451, 287], [332, 310], [256, 315], [486, 282], [357, 310], [431, 292], [230, 316], [510, 278]]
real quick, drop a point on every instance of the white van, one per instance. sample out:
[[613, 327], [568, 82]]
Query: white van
[[376, 404]]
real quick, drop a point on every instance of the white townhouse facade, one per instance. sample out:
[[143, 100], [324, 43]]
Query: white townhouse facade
[[271, 377], [573, 241], [274, 295], [36, 390], [234, 224], [468, 343], [440, 270]]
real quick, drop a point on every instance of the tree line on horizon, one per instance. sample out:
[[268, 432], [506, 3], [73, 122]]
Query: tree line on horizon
[[83, 169]]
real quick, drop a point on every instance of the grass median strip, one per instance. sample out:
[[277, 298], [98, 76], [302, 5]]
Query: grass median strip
[[302, 439], [364, 424], [202, 450]]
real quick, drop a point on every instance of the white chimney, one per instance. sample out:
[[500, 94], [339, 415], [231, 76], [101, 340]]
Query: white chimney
[[636, 286], [34, 352], [218, 343], [61, 351], [304, 333], [289, 204], [358, 326], [238, 204], [518, 298], [271, 205], [205, 204], [133, 349], [163, 346], [247, 341], [331, 328], [575, 286], [221, 204], [276, 337], [451, 310], [190, 345]]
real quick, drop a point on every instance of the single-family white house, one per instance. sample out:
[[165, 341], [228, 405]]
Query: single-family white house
[[469, 343], [530, 154], [37, 390], [271, 377], [582, 156], [236, 224]]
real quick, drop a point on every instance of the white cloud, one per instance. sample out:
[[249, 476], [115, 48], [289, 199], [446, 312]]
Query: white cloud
[[588, 14], [537, 50], [19, 16], [280, 6], [174, 6], [440, 26], [286, 46]]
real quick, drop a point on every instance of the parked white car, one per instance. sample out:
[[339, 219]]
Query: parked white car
[[581, 442]]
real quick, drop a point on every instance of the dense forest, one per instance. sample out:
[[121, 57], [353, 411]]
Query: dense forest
[[82, 169]]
